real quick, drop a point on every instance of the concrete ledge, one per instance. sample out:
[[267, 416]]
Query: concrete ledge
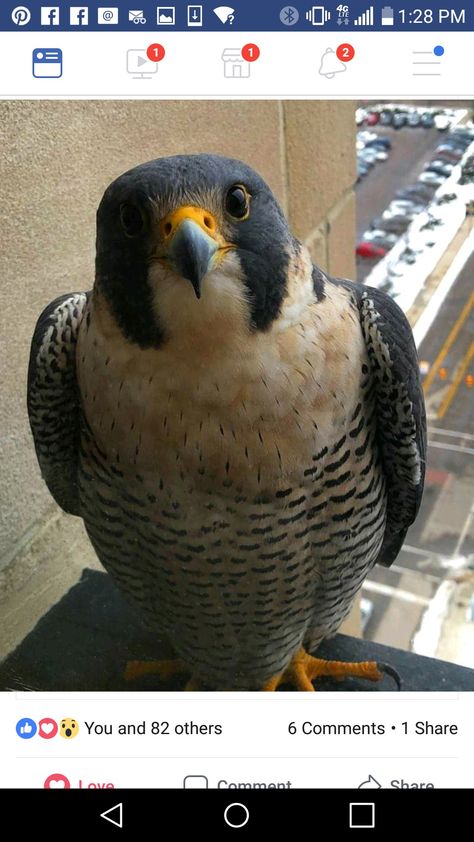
[[84, 641]]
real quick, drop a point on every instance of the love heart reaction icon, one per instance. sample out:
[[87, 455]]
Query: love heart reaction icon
[[48, 728], [57, 781]]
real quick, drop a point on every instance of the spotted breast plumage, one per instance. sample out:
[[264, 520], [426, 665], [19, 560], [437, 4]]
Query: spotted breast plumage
[[243, 436]]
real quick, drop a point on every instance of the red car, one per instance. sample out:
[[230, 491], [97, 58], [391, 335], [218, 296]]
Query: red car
[[372, 118], [370, 250]]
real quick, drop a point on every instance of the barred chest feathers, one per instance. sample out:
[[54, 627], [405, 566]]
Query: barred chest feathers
[[247, 410]]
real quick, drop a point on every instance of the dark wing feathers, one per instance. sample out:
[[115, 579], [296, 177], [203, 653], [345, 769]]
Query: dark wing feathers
[[401, 418], [53, 399]]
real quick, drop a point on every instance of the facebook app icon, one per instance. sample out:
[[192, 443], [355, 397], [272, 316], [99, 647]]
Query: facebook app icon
[[49, 15], [78, 16]]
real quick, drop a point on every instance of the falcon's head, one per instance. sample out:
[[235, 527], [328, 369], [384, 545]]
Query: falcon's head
[[192, 239]]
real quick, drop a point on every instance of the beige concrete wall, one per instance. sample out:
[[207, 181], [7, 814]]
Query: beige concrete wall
[[56, 158]]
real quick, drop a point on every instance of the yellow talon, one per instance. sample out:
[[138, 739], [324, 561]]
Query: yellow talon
[[304, 669]]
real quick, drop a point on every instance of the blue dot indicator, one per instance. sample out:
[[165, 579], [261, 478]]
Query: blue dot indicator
[[439, 51]]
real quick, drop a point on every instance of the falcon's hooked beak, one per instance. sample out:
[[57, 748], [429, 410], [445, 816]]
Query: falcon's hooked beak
[[192, 241]]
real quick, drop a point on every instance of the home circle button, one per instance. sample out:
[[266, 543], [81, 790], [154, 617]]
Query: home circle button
[[236, 815]]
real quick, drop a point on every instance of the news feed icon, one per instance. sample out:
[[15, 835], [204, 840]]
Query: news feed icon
[[47, 63], [139, 65]]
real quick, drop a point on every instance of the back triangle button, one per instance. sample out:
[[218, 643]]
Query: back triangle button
[[114, 815]]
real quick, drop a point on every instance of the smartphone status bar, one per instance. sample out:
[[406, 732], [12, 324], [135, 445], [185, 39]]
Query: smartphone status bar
[[238, 16]]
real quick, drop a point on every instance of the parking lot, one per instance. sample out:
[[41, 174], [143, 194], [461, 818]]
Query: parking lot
[[411, 150]]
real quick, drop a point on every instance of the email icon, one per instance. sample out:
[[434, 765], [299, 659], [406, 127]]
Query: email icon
[[136, 17]]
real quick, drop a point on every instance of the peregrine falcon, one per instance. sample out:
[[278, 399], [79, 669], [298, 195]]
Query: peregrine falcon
[[243, 436]]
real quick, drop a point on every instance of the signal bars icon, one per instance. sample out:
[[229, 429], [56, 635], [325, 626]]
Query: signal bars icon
[[366, 18], [318, 15]]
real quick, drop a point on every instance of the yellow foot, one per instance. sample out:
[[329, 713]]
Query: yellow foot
[[164, 669], [304, 669]]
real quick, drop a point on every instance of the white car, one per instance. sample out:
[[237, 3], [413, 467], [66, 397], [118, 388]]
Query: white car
[[390, 214], [405, 206], [430, 177], [442, 122], [366, 136], [377, 234]]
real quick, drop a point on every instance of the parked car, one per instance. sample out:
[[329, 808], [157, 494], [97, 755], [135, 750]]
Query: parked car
[[366, 136], [367, 158], [463, 131], [421, 193], [372, 118], [381, 238], [386, 117], [427, 120], [429, 177], [414, 119], [449, 154], [370, 250], [451, 145], [399, 120], [405, 206], [395, 225], [398, 213], [440, 167], [380, 140], [442, 122]]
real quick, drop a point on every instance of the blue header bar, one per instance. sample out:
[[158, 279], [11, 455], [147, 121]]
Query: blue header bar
[[234, 15]]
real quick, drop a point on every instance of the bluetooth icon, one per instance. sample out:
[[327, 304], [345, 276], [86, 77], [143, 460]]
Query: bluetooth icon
[[289, 15]]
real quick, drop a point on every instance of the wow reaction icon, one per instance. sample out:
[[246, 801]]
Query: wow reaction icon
[[69, 728]]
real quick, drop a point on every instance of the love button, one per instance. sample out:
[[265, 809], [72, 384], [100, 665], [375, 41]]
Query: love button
[[48, 728]]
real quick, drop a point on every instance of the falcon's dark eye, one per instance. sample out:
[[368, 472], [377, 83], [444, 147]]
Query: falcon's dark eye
[[237, 202], [132, 219]]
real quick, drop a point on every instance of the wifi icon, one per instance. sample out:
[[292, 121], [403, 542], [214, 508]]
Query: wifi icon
[[225, 14]]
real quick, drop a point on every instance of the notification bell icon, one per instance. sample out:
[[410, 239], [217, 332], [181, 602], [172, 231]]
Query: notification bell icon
[[330, 64]]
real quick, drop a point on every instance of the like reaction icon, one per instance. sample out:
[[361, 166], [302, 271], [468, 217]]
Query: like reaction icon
[[47, 728], [26, 728]]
